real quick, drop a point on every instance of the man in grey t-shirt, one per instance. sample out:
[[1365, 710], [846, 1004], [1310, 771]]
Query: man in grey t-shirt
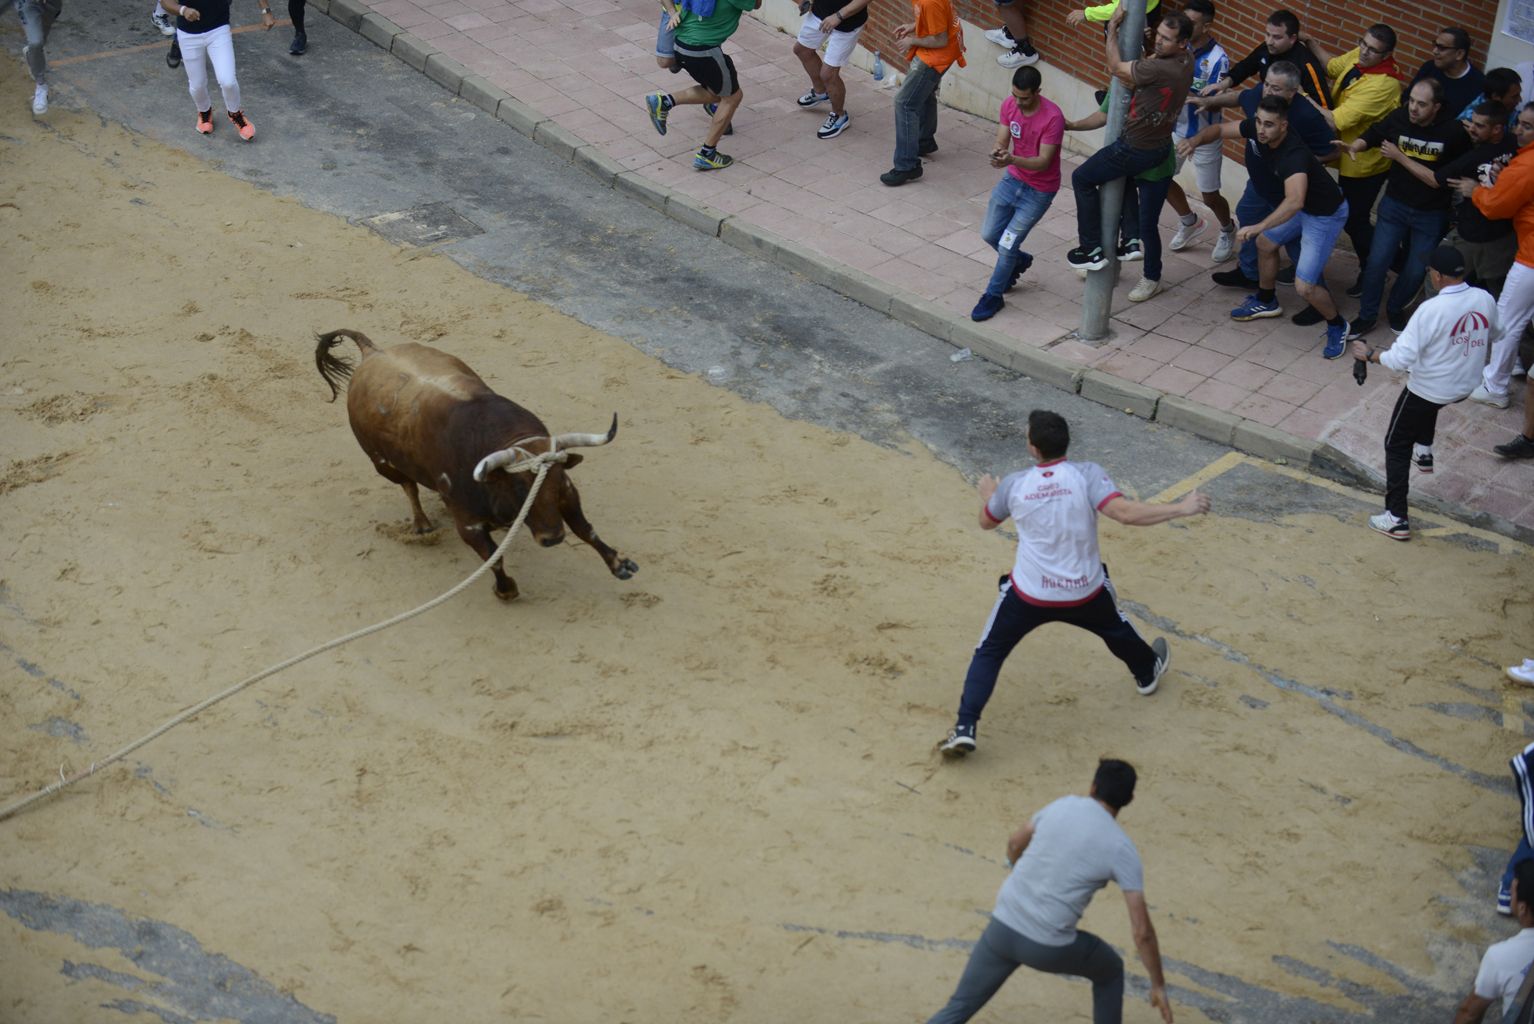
[[1061, 857]]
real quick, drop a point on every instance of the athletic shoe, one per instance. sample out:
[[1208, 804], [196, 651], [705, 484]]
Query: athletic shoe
[[926, 148], [895, 177], [1480, 394], [812, 98], [245, 128], [1021, 55], [1505, 901], [1519, 447], [834, 126], [1356, 289], [40, 100], [1163, 659], [162, 21], [658, 106], [1225, 245], [711, 108], [1390, 526], [1336, 341], [1307, 317], [960, 741], [1081, 259], [1131, 251], [173, 58], [1255, 309], [1144, 290], [1396, 318], [988, 306], [1186, 233], [1521, 674], [300, 43], [1024, 261], [1423, 461], [205, 121], [1362, 327], [1001, 37], [1233, 279], [716, 161], [1286, 277]]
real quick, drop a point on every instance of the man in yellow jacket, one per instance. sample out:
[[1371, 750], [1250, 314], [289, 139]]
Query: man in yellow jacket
[[1510, 196], [1366, 86]]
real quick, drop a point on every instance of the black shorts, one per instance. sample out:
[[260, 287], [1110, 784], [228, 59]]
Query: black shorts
[[711, 68]]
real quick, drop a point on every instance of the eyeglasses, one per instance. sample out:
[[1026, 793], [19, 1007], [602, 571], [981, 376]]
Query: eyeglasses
[[1441, 48], [1363, 45]]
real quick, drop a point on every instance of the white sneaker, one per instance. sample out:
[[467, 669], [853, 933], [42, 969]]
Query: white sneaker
[[40, 100], [1480, 394], [1145, 290], [1225, 245], [162, 21], [1186, 233], [999, 37], [1018, 56], [1390, 526], [1163, 659], [1522, 674]]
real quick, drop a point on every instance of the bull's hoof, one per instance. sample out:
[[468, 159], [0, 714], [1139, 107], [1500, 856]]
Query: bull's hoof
[[509, 594], [625, 568]]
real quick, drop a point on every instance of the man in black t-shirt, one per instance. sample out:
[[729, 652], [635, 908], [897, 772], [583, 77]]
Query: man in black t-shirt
[[1282, 43], [841, 20], [1487, 245], [1414, 209], [1313, 210], [1450, 64]]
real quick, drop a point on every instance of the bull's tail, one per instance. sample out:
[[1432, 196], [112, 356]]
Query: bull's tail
[[334, 368]]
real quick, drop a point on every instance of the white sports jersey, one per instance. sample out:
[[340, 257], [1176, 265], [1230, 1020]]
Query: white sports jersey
[[1209, 65], [1054, 506]]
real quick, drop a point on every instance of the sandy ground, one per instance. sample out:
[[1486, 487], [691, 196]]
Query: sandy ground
[[707, 794]]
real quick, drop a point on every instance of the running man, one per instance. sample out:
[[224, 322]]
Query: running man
[[699, 48], [1059, 859], [37, 18], [1058, 575]]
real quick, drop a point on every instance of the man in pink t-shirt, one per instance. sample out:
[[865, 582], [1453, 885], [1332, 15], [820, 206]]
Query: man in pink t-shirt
[[1028, 146]]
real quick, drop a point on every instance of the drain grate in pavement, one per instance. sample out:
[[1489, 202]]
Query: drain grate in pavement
[[423, 225]]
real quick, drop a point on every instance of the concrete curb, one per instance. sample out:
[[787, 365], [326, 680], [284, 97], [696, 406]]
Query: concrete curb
[[1039, 364]]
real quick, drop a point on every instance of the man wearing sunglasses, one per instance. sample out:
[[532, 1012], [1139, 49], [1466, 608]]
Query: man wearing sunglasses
[[1450, 64]]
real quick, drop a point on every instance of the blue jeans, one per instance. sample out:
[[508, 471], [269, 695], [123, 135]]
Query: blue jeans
[[1001, 951], [37, 17], [1115, 160], [1142, 210], [915, 114], [1252, 208], [1317, 237], [1396, 222], [1014, 209]]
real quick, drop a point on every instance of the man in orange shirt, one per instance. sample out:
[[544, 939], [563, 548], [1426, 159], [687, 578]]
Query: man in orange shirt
[[936, 43]]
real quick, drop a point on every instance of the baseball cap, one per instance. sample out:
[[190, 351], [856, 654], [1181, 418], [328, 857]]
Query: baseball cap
[[1448, 261]]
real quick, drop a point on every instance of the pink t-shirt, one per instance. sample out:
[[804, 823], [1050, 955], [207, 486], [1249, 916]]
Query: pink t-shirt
[[1044, 127]]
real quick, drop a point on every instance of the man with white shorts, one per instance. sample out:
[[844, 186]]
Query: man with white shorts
[[1210, 64], [835, 24]]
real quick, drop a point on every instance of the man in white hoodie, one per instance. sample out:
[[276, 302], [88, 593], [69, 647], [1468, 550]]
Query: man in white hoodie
[[1443, 349]]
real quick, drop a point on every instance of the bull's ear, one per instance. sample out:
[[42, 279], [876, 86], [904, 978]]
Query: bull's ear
[[573, 459]]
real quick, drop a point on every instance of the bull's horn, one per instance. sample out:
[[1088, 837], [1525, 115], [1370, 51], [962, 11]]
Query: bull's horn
[[506, 460], [586, 440]]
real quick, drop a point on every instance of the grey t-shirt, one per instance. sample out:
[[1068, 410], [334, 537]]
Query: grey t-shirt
[[1077, 847]]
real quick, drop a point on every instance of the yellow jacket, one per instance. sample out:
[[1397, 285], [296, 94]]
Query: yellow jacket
[[1104, 12], [1358, 105]]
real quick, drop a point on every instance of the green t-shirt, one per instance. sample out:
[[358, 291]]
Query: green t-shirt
[[1165, 169], [697, 33]]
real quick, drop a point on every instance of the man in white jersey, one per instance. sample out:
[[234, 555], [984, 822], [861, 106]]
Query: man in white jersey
[[1059, 859], [1058, 576], [1504, 967]]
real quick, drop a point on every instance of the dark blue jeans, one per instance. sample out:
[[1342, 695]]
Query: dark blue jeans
[[915, 114], [1523, 775], [1142, 211], [1252, 208], [1421, 230], [1115, 160]]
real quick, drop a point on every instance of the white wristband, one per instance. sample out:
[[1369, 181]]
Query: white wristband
[[181, 11]]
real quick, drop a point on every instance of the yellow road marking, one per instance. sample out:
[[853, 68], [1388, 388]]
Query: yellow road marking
[[84, 57], [1223, 464]]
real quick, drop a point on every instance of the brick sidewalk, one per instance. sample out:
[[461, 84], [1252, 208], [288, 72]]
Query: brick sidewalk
[[587, 64]]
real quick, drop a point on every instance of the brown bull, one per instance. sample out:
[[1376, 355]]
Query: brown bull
[[427, 420]]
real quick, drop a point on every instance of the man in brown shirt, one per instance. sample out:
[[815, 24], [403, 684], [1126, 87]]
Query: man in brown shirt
[[1159, 86]]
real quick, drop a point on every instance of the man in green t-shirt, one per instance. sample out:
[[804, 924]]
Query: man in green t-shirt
[[700, 36]]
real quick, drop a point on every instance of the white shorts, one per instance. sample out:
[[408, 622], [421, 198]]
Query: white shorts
[[838, 50], [1207, 160]]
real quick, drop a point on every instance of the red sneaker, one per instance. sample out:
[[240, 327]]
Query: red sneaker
[[205, 121], [246, 129]]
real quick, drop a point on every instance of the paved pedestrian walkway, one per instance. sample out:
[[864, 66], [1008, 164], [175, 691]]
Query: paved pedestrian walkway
[[587, 64]]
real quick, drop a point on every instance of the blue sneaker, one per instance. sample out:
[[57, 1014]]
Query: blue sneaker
[[1336, 340], [988, 306], [657, 103], [1024, 261], [1255, 309], [711, 109]]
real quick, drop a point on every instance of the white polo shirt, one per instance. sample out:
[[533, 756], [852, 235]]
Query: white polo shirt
[[1503, 968], [1054, 506]]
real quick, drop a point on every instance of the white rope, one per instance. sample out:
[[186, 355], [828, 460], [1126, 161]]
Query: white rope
[[542, 462]]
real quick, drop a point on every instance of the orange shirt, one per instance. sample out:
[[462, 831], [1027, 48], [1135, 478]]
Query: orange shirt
[[1512, 197], [932, 17]]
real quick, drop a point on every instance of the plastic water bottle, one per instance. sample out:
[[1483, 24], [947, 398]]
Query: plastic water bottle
[[878, 68]]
